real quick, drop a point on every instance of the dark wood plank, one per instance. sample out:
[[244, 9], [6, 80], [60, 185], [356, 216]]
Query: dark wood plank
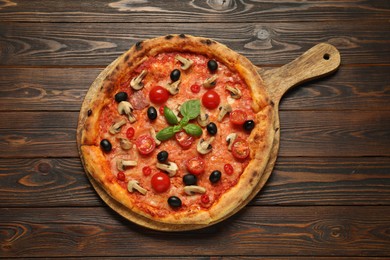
[[274, 231], [194, 11], [93, 44], [46, 182], [303, 133], [351, 88]]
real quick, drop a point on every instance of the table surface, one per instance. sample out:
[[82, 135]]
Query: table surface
[[329, 193]]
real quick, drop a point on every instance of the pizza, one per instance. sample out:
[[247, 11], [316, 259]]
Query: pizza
[[178, 131]]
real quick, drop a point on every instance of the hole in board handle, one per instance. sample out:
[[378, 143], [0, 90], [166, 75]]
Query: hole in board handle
[[326, 56]]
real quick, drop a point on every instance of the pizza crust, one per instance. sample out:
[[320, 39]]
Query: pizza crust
[[261, 138]]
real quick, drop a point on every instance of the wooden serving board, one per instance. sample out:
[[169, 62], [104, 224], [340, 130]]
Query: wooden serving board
[[318, 61]]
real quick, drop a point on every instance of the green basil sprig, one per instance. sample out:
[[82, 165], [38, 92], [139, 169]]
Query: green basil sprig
[[189, 110]]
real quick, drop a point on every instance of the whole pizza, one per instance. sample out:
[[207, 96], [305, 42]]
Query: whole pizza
[[177, 131]]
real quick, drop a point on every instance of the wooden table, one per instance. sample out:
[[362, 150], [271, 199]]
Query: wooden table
[[329, 194]]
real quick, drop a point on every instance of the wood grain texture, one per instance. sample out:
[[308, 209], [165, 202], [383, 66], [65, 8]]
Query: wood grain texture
[[46, 182], [310, 231], [98, 44], [350, 88], [303, 133], [197, 11]]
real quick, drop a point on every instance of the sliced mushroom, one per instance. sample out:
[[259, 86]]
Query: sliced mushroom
[[223, 110], [136, 83], [173, 87], [125, 143], [125, 107], [116, 127], [204, 146], [234, 92], [186, 63], [193, 189], [122, 164], [153, 134], [134, 185], [210, 82], [169, 167], [230, 140], [203, 118]]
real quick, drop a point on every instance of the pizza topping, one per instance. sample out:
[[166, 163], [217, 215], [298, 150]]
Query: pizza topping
[[215, 176], [211, 99], [186, 63], [121, 176], [122, 164], [158, 95], [240, 149], [173, 87], [105, 145], [190, 179], [162, 156], [146, 170], [125, 107], [195, 165], [212, 65], [195, 88], [136, 83], [228, 168], [203, 118], [152, 113], [134, 185], [234, 92], [205, 199], [204, 146], [169, 167], [175, 75], [125, 143], [238, 117], [248, 125], [212, 128], [121, 96], [211, 81], [174, 202], [160, 182], [116, 127], [185, 140], [170, 116], [223, 110], [193, 189], [145, 144], [230, 140], [138, 100]]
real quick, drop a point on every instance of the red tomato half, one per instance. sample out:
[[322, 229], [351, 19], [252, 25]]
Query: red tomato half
[[211, 99], [240, 149], [145, 144], [185, 140], [195, 165], [160, 182], [158, 95], [238, 117]]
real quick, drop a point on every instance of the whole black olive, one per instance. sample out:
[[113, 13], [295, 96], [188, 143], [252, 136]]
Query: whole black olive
[[215, 176], [190, 179], [162, 156], [212, 128], [152, 113], [120, 96], [105, 145], [174, 202], [248, 125], [212, 65], [175, 75]]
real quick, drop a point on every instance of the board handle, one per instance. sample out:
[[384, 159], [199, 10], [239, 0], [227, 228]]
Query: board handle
[[320, 60]]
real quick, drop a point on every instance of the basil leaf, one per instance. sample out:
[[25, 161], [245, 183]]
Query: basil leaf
[[165, 133], [177, 128], [184, 121], [193, 129], [190, 109], [170, 116]]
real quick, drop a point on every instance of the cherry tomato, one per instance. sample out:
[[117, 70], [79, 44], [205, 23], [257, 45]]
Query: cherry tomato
[[195, 88], [205, 199], [160, 182], [195, 165], [211, 99], [185, 140], [240, 149], [158, 95], [238, 117], [145, 144], [130, 132], [121, 176], [161, 110], [228, 168], [146, 170]]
